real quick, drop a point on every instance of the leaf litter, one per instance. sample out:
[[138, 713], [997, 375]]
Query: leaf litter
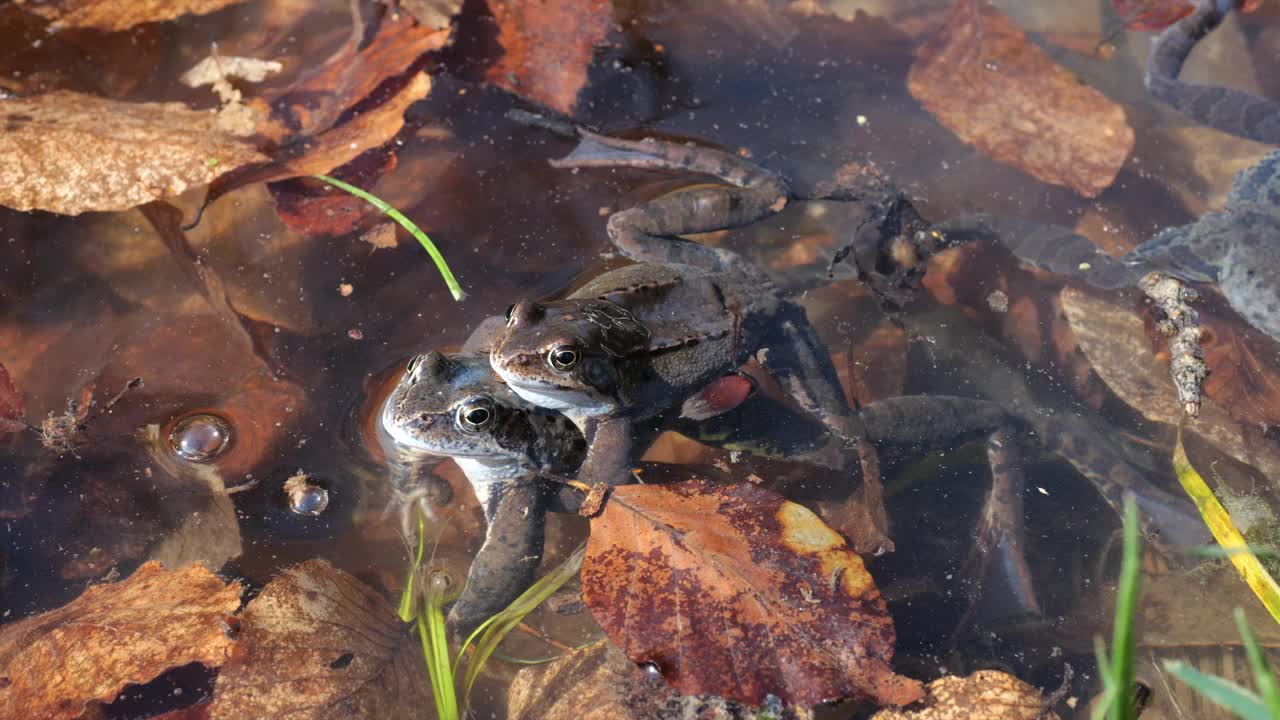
[[734, 591], [71, 153], [116, 15], [318, 643], [986, 82], [113, 635]]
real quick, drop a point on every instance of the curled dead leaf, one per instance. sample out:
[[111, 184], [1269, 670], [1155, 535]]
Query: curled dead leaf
[[318, 643], [986, 82], [984, 695], [731, 590], [115, 15], [548, 47], [53, 664], [70, 153]]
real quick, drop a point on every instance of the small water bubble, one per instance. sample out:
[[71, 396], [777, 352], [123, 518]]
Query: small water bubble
[[200, 437], [305, 498]]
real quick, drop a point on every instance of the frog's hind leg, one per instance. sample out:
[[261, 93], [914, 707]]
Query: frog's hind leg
[[1232, 111], [799, 362], [507, 562], [998, 559], [649, 232]]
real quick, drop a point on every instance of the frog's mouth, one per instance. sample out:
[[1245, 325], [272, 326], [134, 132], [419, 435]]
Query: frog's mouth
[[568, 400]]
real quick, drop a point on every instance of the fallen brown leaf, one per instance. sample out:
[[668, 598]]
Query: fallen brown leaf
[[548, 47], [734, 591], [598, 682], [318, 643], [11, 407], [53, 664], [984, 695], [317, 209], [1116, 341], [114, 15], [70, 153], [333, 148], [320, 97], [986, 82]]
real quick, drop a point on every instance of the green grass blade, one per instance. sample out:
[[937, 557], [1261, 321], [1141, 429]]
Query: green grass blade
[[1263, 678], [506, 621], [435, 647], [454, 288], [1221, 691], [406, 609], [1117, 671]]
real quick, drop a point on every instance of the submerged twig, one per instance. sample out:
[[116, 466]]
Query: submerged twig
[[1181, 324]]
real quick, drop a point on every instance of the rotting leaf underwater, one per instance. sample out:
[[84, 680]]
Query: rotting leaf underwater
[[70, 153], [548, 47], [731, 590], [984, 695], [116, 15], [986, 82], [113, 635], [318, 643]]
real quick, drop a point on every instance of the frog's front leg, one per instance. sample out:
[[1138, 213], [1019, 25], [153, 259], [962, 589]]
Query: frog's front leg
[[609, 445], [649, 232], [506, 563], [798, 360]]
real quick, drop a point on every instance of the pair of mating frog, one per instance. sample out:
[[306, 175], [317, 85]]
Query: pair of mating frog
[[580, 386]]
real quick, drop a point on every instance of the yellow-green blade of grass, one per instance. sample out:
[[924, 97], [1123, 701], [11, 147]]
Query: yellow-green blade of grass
[[435, 648], [1225, 532], [1223, 692], [454, 288], [406, 611], [496, 628], [1118, 671], [1263, 678]]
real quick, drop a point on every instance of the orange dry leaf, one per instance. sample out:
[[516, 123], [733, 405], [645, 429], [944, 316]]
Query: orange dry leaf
[[734, 591], [333, 148], [113, 15], [52, 665], [984, 695], [318, 643], [547, 47], [70, 153], [984, 81]]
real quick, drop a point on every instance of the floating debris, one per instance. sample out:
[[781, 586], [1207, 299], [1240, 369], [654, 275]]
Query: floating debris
[[305, 497]]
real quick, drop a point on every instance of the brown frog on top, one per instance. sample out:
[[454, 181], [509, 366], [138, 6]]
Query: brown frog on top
[[642, 339]]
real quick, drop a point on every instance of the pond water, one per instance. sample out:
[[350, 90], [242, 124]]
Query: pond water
[[316, 327]]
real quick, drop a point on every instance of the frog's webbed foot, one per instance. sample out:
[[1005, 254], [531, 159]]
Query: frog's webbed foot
[[507, 562], [1229, 110], [416, 493], [998, 559]]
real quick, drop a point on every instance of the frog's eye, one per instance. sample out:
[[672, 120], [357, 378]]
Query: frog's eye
[[476, 415], [563, 357]]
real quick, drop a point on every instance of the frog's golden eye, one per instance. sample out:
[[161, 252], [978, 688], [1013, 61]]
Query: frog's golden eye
[[563, 357], [476, 415]]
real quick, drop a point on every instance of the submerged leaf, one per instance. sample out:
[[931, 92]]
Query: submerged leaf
[[70, 153], [318, 643], [114, 15], [548, 47], [116, 634], [734, 591], [986, 82], [984, 695]]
